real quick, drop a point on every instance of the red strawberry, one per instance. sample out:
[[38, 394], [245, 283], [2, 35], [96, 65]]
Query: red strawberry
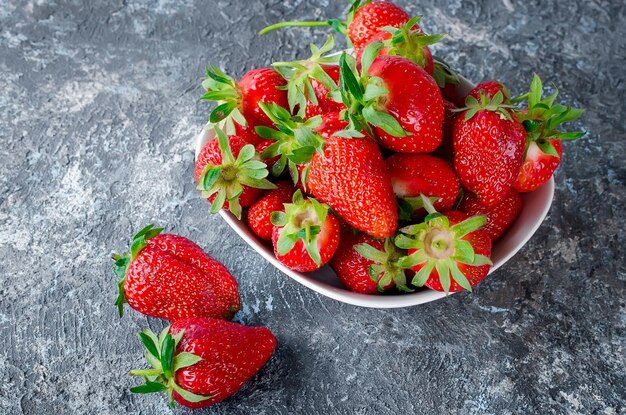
[[272, 201], [202, 361], [448, 253], [229, 173], [325, 104], [490, 89], [488, 148], [446, 149], [500, 217], [306, 235], [543, 143], [239, 101], [371, 18], [415, 174], [367, 265], [168, 276]]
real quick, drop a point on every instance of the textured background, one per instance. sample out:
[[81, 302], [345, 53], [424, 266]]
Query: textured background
[[98, 110]]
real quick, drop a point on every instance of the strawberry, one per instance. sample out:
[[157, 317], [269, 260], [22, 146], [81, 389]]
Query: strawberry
[[490, 89], [229, 173], [239, 101], [397, 97], [370, 18], [367, 265], [168, 276], [448, 253], [343, 168], [543, 141], [407, 41], [488, 148], [201, 361], [446, 149], [415, 174], [310, 81], [448, 81], [306, 235], [500, 217], [259, 212]]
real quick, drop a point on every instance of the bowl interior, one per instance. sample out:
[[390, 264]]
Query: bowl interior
[[324, 280]]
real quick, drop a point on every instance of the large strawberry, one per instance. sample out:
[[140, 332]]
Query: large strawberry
[[168, 276], [397, 97], [201, 361], [305, 235], [259, 213], [229, 173], [488, 148], [543, 140], [343, 169], [239, 100], [368, 265], [448, 253], [415, 174], [500, 217]]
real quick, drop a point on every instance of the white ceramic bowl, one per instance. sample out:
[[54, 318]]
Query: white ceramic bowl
[[324, 280]]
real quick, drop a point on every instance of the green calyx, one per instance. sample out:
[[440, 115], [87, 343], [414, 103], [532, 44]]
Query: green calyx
[[408, 206], [226, 180], [408, 42], [164, 361], [495, 104], [439, 246], [385, 268], [224, 90], [365, 96], [139, 241], [543, 117], [301, 220], [443, 74], [299, 74]]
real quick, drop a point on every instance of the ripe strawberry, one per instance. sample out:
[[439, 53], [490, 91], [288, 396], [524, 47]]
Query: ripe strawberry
[[202, 361], [500, 217], [397, 97], [367, 265], [325, 103], [488, 148], [306, 235], [239, 101], [446, 149], [348, 174], [407, 41], [448, 253], [370, 18], [415, 174], [229, 173], [168, 276], [272, 201], [543, 143], [490, 89]]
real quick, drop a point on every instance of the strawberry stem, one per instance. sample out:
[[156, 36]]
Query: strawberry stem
[[292, 24]]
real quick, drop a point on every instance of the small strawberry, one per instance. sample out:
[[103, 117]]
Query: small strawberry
[[371, 18], [260, 211], [488, 148], [448, 253], [168, 276], [500, 217], [415, 174], [201, 361], [239, 101], [543, 141], [229, 173], [367, 265], [490, 89], [306, 235], [310, 81]]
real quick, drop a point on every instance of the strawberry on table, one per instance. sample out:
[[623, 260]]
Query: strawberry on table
[[500, 217], [488, 147], [168, 276], [306, 235], [201, 361], [543, 141], [260, 211], [368, 265], [448, 252], [229, 173]]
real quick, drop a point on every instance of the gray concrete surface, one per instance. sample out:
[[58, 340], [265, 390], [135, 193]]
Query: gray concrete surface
[[98, 110]]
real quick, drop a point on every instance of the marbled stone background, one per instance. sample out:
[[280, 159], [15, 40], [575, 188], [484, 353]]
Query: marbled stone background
[[98, 111]]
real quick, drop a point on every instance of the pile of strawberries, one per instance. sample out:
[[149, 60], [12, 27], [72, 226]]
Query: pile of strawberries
[[202, 357], [371, 161]]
